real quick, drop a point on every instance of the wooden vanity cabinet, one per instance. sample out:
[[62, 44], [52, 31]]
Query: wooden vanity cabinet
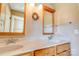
[[57, 50], [40, 52], [50, 51], [63, 49]]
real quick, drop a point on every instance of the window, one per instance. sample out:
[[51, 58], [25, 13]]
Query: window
[[17, 24]]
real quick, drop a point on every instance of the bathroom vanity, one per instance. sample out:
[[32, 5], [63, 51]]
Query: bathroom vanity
[[37, 48], [57, 50]]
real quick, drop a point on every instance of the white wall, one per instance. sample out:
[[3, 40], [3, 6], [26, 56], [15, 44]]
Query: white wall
[[34, 29]]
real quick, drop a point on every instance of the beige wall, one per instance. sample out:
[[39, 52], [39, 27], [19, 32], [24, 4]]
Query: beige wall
[[34, 27], [66, 13]]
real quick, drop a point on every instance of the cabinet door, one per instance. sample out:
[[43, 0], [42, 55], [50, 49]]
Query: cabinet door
[[27, 54], [51, 51], [66, 53], [41, 52], [62, 47]]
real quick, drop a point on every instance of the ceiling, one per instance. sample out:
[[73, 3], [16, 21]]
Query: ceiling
[[17, 6], [20, 6]]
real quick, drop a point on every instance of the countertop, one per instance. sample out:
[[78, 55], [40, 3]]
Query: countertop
[[32, 45]]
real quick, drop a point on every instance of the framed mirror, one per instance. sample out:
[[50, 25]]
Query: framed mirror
[[48, 20], [12, 18]]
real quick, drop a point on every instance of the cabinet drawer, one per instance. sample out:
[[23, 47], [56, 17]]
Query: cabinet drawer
[[62, 47], [41, 52], [51, 51], [66, 53], [26, 54]]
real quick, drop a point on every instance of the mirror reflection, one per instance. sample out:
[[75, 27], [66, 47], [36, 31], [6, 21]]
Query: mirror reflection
[[11, 17], [48, 20]]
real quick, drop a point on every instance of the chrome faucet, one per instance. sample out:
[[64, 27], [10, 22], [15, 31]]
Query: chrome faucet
[[50, 37]]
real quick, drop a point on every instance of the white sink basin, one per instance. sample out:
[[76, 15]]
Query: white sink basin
[[10, 47]]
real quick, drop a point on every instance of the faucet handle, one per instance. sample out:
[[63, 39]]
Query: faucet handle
[[50, 37]]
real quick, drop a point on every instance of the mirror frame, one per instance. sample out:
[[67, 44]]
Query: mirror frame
[[17, 33], [51, 10]]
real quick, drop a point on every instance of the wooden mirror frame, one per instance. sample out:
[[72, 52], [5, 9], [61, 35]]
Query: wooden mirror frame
[[48, 9], [17, 33]]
